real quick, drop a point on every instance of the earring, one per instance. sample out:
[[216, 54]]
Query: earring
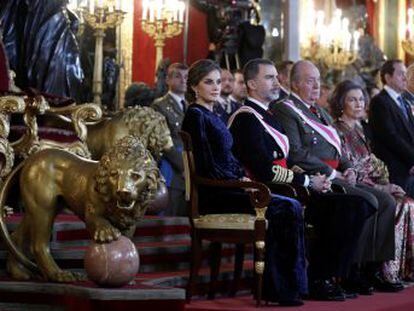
[[196, 94]]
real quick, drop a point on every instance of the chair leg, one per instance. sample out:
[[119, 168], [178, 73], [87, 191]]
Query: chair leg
[[195, 263], [238, 268], [215, 258]]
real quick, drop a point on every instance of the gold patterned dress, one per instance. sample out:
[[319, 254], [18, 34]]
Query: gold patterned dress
[[373, 171]]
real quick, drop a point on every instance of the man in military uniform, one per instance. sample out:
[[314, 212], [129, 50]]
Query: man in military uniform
[[173, 107]]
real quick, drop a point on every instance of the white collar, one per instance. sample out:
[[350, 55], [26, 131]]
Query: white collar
[[301, 100], [258, 103], [176, 97], [285, 89], [233, 99], [394, 95]]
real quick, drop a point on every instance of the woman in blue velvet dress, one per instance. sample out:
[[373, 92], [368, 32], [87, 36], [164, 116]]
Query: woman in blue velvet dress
[[285, 277]]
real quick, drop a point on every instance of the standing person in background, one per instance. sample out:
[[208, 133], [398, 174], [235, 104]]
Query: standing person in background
[[392, 125], [239, 93], [225, 106], [173, 106]]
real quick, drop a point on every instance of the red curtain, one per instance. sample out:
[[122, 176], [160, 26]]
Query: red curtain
[[370, 5], [143, 50]]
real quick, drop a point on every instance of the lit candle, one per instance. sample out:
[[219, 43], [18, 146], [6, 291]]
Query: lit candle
[[99, 4], [356, 40], [144, 9], [320, 16], [182, 10], [118, 5], [151, 11], [159, 6], [91, 6]]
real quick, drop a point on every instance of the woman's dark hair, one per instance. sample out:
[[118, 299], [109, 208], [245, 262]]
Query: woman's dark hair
[[337, 99], [196, 73]]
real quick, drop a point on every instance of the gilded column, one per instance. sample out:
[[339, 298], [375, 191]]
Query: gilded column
[[124, 46]]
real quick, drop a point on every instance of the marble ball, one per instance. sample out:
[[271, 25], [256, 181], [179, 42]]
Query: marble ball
[[112, 264]]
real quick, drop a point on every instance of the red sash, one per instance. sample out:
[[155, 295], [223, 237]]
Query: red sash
[[332, 163], [280, 162]]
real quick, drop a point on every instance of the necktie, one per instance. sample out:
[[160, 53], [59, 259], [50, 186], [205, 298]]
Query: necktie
[[182, 104], [317, 114], [403, 106]]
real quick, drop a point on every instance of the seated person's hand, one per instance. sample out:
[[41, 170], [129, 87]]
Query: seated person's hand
[[350, 176], [394, 190], [320, 183], [244, 178]]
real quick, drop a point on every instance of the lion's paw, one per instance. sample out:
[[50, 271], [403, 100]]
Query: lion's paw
[[62, 276], [106, 234]]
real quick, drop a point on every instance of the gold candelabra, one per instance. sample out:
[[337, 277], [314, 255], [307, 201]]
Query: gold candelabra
[[332, 44], [101, 15], [162, 20]]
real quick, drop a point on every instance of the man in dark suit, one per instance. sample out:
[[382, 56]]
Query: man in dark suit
[[173, 107], [262, 148], [239, 90], [316, 148], [226, 105], [408, 94], [392, 126]]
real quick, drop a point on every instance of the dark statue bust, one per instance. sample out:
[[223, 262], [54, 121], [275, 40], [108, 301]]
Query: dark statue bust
[[40, 42]]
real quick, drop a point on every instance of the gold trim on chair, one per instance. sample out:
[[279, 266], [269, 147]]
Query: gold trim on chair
[[225, 221]]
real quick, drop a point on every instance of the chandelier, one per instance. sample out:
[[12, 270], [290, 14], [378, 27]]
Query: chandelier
[[162, 19], [408, 44], [332, 44]]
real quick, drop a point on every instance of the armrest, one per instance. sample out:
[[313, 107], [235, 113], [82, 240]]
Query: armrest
[[259, 198], [297, 192]]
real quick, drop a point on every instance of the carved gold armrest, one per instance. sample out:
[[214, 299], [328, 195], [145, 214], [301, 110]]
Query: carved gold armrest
[[259, 193], [79, 115]]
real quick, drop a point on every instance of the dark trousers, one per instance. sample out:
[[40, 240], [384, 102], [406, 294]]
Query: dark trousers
[[337, 220]]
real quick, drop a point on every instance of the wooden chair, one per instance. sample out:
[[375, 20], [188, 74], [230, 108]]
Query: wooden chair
[[224, 228]]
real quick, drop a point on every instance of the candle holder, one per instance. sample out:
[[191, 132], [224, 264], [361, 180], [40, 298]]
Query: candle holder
[[162, 20], [101, 15], [332, 44]]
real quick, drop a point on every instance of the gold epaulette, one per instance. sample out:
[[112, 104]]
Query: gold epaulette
[[282, 175]]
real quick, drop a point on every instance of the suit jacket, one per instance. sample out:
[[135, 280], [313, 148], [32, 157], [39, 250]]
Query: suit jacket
[[174, 115], [257, 150], [222, 113], [392, 136], [409, 98], [308, 148]]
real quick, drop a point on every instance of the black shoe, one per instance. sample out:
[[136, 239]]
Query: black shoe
[[348, 294], [361, 287], [382, 285], [325, 290], [291, 303]]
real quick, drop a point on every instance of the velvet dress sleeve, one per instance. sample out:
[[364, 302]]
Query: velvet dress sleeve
[[209, 161]]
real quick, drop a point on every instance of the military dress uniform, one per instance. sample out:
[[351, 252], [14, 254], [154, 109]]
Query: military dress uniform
[[172, 163]]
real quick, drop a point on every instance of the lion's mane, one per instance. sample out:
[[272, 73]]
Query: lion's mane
[[150, 126], [130, 150]]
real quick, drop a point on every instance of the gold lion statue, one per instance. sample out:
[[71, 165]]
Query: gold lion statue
[[109, 195], [143, 122]]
